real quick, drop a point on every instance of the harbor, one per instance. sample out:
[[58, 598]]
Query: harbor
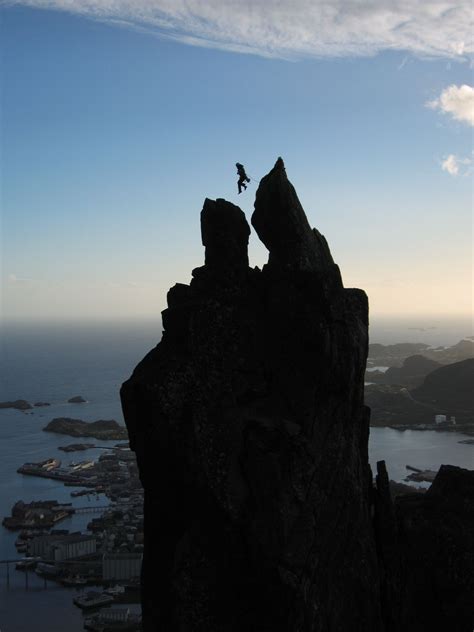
[[101, 561], [94, 361]]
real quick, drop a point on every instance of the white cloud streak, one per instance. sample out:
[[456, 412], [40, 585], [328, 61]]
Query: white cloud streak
[[451, 164], [292, 28], [458, 101], [13, 279]]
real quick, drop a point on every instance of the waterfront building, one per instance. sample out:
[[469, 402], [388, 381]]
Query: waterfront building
[[121, 566], [62, 547], [70, 547], [114, 614]]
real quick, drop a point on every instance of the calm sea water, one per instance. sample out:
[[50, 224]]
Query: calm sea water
[[53, 362]]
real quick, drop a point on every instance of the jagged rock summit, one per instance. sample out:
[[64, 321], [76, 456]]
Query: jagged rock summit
[[282, 226], [251, 436], [225, 235]]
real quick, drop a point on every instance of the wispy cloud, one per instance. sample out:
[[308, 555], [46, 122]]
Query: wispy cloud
[[403, 63], [292, 28], [127, 285], [452, 164], [458, 101], [13, 279]]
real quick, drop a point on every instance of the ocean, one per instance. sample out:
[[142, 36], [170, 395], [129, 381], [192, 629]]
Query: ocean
[[52, 362]]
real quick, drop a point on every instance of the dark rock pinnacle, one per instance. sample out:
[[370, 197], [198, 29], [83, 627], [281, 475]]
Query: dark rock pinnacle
[[281, 224], [251, 436], [225, 234]]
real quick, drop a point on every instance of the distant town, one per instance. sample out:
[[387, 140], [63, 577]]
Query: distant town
[[109, 553], [408, 386], [415, 386]]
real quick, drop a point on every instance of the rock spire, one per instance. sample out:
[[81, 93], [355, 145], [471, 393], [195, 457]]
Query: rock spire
[[251, 435]]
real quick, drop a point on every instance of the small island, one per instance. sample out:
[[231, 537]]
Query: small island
[[104, 429], [77, 399], [76, 447], [41, 404], [18, 404]]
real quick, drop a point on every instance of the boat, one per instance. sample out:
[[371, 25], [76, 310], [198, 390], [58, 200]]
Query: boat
[[27, 563], [115, 591], [50, 464], [42, 466], [81, 492], [60, 515], [81, 465], [92, 599], [46, 570], [74, 580]]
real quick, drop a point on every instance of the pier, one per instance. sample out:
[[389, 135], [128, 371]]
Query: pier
[[62, 564], [7, 564], [88, 509]]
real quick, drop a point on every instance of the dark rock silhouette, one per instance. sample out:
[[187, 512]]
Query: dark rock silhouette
[[411, 374], [18, 404], [446, 390], [251, 436], [100, 429], [449, 388], [282, 226], [394, 355], [388, 552], [394, 406], [77, 399], [436, 533], [225, 235]]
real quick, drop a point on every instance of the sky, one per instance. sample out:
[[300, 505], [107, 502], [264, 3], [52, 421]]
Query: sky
[[119, 118]]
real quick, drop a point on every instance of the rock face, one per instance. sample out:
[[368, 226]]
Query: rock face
[[436, 534], [251, 436]]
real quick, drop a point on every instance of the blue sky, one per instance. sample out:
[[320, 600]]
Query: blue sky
[[118, 119]]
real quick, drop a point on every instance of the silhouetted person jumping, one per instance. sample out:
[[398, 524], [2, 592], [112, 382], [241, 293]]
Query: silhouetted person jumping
[[243, 178]]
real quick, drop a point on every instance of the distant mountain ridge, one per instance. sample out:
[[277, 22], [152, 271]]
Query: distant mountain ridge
[[395, 355], [410, 374], [447, 390]]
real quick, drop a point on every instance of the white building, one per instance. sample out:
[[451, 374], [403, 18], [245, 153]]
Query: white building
[[62, 547], [114, 614], [40, 545], [116, 566], [70, 547], [440, 419]]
